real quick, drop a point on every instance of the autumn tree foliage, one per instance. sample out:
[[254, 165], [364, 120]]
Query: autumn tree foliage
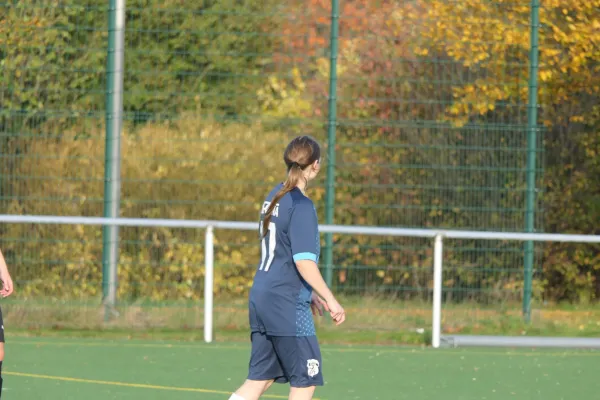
[[432, 105]]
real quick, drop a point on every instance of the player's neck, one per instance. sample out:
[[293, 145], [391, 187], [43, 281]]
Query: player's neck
[[302, 186]]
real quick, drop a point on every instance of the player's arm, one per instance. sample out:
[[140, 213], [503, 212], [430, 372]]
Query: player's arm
[[304, 238], [311, 274], [7, 283]]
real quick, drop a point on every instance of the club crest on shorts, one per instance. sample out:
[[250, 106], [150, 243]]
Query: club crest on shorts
[[313, 367]]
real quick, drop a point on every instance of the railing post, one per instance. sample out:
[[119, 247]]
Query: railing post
[[437, 292], [208, 284]]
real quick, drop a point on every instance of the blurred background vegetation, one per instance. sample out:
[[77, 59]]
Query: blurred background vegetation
[[431, 132]]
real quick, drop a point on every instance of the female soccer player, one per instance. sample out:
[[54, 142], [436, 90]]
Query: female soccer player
[[7, 289], [284, 342]]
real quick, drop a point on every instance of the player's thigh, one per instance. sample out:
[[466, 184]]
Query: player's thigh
[[305, 393], [264, 364], [301, 360]]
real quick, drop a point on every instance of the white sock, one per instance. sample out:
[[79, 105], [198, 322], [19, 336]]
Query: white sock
[[236, 397]]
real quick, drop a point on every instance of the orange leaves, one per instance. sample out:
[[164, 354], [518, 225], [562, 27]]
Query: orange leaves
[[312, 22]]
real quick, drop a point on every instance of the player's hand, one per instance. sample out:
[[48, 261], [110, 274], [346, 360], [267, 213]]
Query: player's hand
[[336, 311], [7, 286], [317, 304]]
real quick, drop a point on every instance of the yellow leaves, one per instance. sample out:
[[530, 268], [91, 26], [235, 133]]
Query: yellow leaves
[[281, 97], [236, 257], [350, 57], [297, 79], [591, 152], [435, 213], [398, 17], [161, 171], [478, 98], [322, 65], [494, 42]]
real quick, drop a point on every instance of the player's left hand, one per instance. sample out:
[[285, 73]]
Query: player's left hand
[[318, 305]]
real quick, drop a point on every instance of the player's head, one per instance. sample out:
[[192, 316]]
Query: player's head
[[302, 158]]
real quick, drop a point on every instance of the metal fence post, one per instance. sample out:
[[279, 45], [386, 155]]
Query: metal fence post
[[331, 125], [531, 156], [436, 326], [209, 258], [112, 172]]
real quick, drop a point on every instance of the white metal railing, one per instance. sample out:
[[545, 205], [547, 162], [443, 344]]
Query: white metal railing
[[438, 234]]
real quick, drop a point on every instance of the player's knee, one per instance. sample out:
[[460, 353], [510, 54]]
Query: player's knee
[[304, 393], [1, 351]]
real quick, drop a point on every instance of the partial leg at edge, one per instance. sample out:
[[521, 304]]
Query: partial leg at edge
[[1, 359]]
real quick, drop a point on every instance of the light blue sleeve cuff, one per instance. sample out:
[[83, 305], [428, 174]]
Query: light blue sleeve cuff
[[305, 256]]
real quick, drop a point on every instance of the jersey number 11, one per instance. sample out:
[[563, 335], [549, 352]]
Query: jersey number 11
[[265, 263]]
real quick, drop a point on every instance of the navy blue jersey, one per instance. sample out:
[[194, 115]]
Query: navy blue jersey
[[280, 297]]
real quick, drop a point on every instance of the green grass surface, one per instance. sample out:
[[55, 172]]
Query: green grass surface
[[369, 320], [98, 369]]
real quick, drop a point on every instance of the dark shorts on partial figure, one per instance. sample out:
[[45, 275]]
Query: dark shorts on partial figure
[[293, 359], [1, 327]]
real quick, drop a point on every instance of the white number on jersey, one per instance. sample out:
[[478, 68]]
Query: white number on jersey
[[265, 263]]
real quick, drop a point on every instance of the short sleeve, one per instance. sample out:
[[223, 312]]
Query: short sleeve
[[304, 232]]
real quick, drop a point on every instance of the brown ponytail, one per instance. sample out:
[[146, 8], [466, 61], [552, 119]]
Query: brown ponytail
[[302, 152]]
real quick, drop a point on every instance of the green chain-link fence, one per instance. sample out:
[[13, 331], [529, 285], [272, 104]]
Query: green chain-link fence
[[431, 131]]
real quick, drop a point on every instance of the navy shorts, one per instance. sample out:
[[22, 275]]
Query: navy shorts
[[292, 359]]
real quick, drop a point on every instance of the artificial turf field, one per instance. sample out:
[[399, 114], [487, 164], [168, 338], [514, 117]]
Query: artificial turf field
[[100, 369]]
